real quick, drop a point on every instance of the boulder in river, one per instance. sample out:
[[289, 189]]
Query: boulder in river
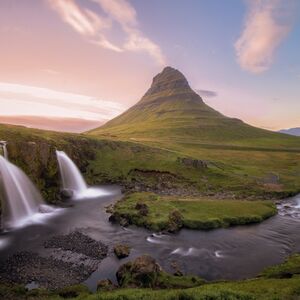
[[142, 272], [67, 193], [122, 250], [105, 285]]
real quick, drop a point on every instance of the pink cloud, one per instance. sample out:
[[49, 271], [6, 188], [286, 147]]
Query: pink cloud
[[96, 27], [267, 24]]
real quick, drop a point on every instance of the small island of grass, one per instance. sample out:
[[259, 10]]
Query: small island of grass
[[172, 213]]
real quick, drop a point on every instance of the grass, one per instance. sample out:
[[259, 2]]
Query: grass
[[230, 172], [242, 158], [194, 213], [288, 269]]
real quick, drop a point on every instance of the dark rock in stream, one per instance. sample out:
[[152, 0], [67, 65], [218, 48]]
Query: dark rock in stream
[[67, 193], [79, 243], [121, 251], [142, 272], [106, 285]]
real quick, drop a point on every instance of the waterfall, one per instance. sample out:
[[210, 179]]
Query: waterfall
[[70, 174], [4, 149], [72, 181], [19, 196]]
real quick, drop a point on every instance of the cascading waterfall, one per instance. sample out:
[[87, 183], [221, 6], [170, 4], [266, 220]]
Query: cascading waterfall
[[4, 149], [19, 196], [21, 201], [70, 175], [72, 180]]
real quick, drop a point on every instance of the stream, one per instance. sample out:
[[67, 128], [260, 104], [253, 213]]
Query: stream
[[233, 253]]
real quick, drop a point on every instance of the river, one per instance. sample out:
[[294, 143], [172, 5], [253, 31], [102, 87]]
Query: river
[[233, 253]]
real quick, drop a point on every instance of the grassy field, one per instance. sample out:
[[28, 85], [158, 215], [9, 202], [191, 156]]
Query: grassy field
[[172, 212], [232, 171]]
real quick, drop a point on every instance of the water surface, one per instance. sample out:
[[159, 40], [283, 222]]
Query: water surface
[[234, 253]]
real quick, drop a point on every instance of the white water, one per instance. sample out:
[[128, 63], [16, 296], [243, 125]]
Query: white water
[[70, 174], [21, 201], [22, 204], [72, 179], [3, 145]]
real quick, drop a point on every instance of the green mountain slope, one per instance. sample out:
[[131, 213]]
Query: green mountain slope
[[241, 158], [171, 112]]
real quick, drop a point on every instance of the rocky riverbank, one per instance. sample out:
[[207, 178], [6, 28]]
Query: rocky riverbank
[[66, 260]]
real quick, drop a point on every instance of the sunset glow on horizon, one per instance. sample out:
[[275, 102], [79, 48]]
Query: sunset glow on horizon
[[93, 59]]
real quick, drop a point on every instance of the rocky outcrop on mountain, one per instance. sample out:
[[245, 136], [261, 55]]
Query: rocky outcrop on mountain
[[195, 163], [169, 81]]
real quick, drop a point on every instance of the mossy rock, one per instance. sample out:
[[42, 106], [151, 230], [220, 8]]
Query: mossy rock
[[121, 250]]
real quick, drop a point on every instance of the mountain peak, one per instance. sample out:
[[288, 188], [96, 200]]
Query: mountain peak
[[169, 79]]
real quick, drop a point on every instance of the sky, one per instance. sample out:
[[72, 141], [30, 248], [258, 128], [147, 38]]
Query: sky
[[84, 62]]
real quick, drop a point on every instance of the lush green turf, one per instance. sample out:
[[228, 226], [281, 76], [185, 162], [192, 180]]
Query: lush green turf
[[261, 289], [191, 212]]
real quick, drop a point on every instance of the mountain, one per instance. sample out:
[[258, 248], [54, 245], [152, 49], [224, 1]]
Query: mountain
[[291, 131], [170, 142], [171, 112]]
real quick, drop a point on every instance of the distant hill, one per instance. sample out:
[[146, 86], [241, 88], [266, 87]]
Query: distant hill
[[291, 131], [75, 125], [171, 112]]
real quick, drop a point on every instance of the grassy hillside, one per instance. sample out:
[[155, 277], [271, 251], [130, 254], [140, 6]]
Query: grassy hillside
[[172, 113], [170, 142], [172, 117]]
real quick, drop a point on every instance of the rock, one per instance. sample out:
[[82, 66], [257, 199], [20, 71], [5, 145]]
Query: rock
[[176, 268], [25, 267], [195, 163], [45, 209], [142, 272], [67, 193], [109, 209], [121, 251], [175, 221], [123, 222], [142, 208], [79, 243], [105, 285]]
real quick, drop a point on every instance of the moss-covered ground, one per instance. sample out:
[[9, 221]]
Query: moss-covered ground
[[189, 212]]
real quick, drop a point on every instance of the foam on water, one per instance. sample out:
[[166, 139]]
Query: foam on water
[[20, 198], [189, 252], [3, 243], [91, 192], [219, 254], [73, 181], [41, 217], [154, 240]]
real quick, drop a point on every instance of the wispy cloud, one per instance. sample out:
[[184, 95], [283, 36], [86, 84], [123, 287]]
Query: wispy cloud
[[51, 71], [267, 24], [207, 93], [19, 99], [96, 27]]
